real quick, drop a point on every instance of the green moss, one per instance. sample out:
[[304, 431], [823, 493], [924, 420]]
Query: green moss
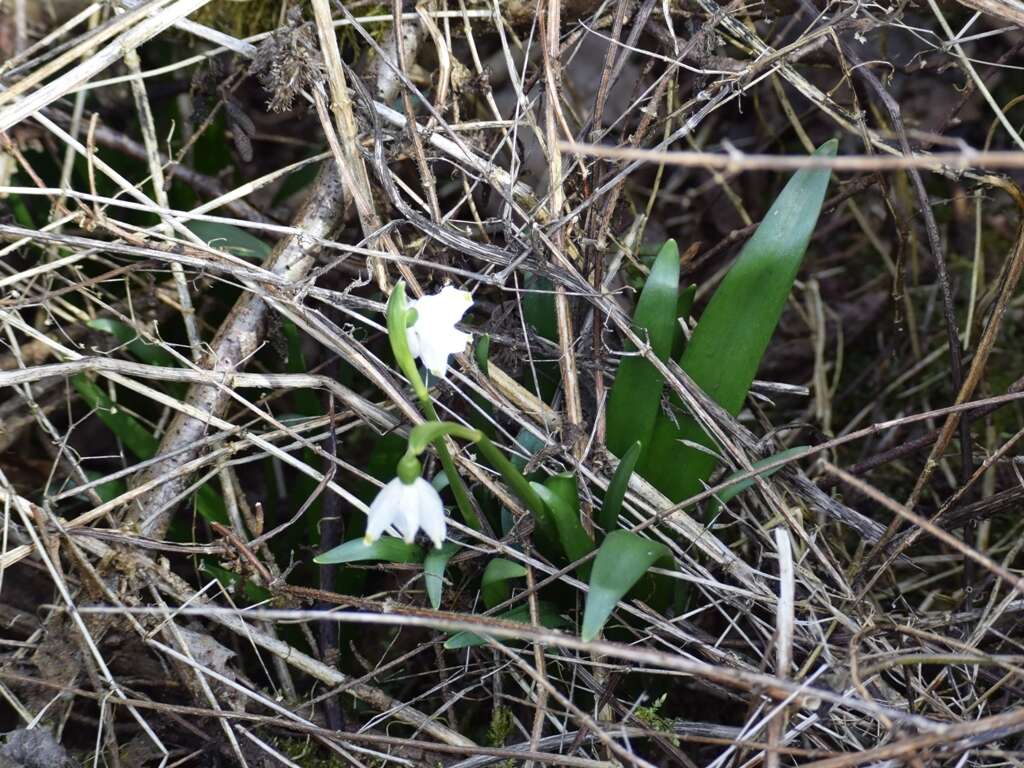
[[653, 719], [500, 727], [303, 752], [242, 18]]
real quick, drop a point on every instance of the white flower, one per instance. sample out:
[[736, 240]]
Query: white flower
[[433, 336], [408, 507]]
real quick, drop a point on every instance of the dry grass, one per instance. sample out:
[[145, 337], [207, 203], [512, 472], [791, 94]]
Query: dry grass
[[858, 607]]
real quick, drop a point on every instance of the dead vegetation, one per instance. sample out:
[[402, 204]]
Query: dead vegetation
[[203, 213]]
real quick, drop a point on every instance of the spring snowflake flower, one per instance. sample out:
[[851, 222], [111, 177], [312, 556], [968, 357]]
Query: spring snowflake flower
[[408, 507], [434, 336]]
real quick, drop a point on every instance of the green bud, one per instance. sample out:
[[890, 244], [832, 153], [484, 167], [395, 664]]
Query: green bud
[[409, 468]]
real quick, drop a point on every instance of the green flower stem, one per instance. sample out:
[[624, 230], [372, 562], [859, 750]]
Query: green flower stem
[[462, 499], [397, 323], [519, 484], [426, 433]]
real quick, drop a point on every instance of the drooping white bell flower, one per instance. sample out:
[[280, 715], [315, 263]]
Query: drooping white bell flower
[[434, 336], [408, 507]]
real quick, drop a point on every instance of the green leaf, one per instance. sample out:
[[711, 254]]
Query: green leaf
[[617, 487], [547, 615], [735, 489], [494, 586], [622, 560], [434, 565], [21, 212], [482, 351], [538, 304], [530, 444], [561, 497], [307, 403], [210, 504], [135, 437], [636, 393], [225, 237], [151, 354], [732, 335], [386, 548], [109, 490]]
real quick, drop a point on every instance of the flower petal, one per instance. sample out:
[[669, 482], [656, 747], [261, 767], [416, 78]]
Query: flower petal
[[413, 338], [446, 306], [431, 512], [407, 518], [382, 510], [434, 336]]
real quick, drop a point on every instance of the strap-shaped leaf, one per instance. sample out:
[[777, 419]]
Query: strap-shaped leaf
[[136, 438], [617, 486], [636, 393], [225, 237], [434, 565], [547, 614], [561, 498], [621, 562], [153, 354], [387, 548], [495, 586], [733, 490], [732, 335]]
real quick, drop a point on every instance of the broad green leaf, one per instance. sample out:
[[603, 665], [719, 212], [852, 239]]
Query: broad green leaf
[[109, 490], [211, 505], [151, 354], [21, 212], [538, 307], [636, 394], [135, 437], [538, 302], [732, 335], [622, 560], [434, 565], [733, 490], [561, 497], [547, 614], [530, 445], [494, 585], [617, 487], [521, 487], [234, 240], [386, 548]]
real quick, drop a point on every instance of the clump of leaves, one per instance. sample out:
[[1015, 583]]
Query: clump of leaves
[[288, 62], [651, 717], [500, 727]]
